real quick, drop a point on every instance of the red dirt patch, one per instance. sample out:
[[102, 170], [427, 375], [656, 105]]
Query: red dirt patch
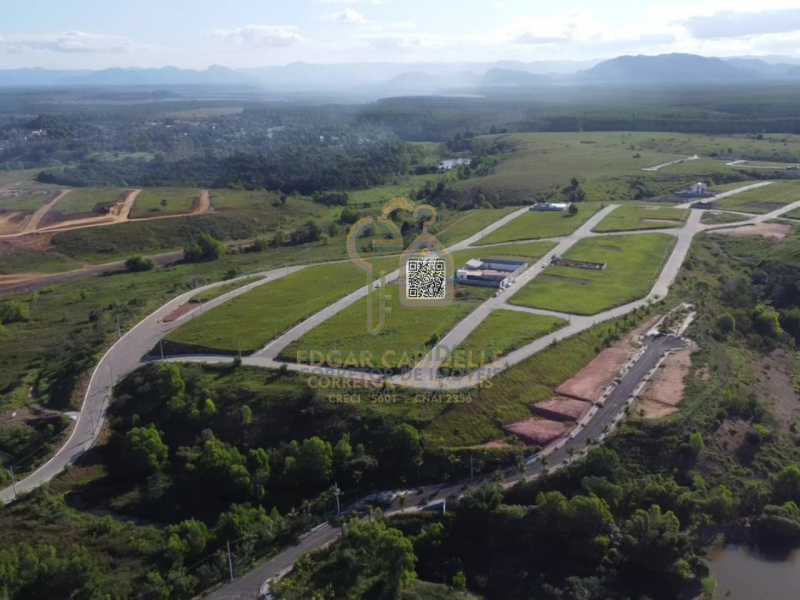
[[538, 432], [589, 383], [562, 409], [665, 391], [774, 231], [179, 312]]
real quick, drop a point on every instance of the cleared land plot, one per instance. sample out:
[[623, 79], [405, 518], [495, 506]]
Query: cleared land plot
[[538, 432], [407, 335], [632, 217], [529, 252], [500, 333], [665, 390], [721, 218], [536, 225], [248, 322], [775, 231], [470, 223], [763, 199], [86, 202], [25, 201], [562, 409], [633, 264], [164, 201]]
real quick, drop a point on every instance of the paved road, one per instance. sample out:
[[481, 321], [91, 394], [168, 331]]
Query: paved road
[[121, 359], [728, 194], [595, 427], [125, 356]]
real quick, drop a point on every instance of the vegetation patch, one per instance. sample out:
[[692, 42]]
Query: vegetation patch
[[633, 265], [535, 225], [764, 199], [631, 217], [153, 202], [406, 336], [500, 333]]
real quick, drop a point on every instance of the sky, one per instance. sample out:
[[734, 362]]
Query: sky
[[95, 34]]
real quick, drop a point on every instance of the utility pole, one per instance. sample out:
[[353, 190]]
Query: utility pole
[[470, 468], [161, 347], [230, 561], [337, 492], [13, 481]]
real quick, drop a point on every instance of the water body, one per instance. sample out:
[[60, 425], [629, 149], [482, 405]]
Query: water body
[[743, 573]]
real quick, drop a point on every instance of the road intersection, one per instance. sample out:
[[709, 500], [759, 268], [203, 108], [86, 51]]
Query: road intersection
[[130, 351]]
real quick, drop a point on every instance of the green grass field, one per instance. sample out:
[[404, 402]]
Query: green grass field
[[83, 201], [732, 185], [405, 337], [27, 202], [715, 218], [633, 262], [378, 195], [634, 216], [763, 199], [154, 202], [463, 225], [793, 214], [535, 225], [22, 260], [220, 290], [501, 332], [528, 251], [248, 322]]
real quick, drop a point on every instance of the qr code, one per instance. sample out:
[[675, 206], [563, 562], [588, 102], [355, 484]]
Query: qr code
[[426, 278]]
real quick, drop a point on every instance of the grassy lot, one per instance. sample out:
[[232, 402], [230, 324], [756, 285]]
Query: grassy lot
[[501, 332], [88, 201], [22, 260], [609, 165], [26, 202], [221, 290], [469, 223], [530, 252], [164, 201], [406, 336], [633, 262], [764, 199], [793, 214], [248, 322], [634, 216], [718, 218], [732, 185], [511, 394], [378, 195], [536, 225]]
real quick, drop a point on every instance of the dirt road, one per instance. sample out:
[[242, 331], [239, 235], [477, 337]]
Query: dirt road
[[33, 223]]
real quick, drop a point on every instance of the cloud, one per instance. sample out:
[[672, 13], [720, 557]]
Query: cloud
[[68, 42], [261, 36], [729, 24], [348, 16], [534, 39]]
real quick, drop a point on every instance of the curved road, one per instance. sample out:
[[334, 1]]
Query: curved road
[[126, 354]]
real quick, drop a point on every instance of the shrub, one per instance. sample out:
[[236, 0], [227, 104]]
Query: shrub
[[136, 264]]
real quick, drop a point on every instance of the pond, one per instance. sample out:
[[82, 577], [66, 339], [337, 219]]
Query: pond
[[744, 573]]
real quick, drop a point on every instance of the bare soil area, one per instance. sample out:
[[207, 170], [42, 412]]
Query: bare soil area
[[776, 385], [538, 432], [666, 388], [775, 231], [12, 222], [589, 383], [562, 409]]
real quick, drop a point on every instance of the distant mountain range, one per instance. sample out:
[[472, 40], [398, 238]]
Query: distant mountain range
[[429, 78]]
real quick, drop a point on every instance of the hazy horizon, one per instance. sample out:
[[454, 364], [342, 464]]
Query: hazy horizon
[[88, 34]]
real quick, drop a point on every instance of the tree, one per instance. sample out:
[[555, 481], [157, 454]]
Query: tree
[[146, 451], [766, 321], [573, 209], [205, 249], [786, 486], [406, 445], [696, 443], [653, 541], [137, 264], [726, 324], [13, 312], [315, 462]]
